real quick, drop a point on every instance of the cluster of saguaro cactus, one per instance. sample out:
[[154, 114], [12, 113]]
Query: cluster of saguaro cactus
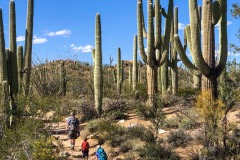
[[157, 47], [98, 71], [11, 66], [204, 57]]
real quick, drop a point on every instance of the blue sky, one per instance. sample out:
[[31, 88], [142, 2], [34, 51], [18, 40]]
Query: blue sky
[[65, 29]]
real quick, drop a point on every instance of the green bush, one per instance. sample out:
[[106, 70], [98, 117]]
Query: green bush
[[156, 150], [125, 147], [187, 123], [88, 111], [43, 149], [179, 138], [172, 123]]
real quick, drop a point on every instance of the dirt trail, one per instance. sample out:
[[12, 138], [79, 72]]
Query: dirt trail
[[60, 134]]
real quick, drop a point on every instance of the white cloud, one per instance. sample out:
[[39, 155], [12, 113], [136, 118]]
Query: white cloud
[[228, 24], [20, 38], [64, 32], [87, 48], [181, 26], [37, 40]]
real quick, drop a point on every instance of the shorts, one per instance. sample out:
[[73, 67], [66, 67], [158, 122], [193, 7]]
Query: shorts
[[72, 134], [85, 154]]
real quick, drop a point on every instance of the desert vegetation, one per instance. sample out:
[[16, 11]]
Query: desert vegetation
[[175, 111]]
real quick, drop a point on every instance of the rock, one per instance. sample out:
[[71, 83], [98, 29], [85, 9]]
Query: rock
[[121, 121], [161, 131]]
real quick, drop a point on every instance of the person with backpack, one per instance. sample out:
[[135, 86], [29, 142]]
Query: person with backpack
[[73, 129], [100, 153], [85, 149]]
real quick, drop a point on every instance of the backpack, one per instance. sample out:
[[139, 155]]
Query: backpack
[[101, 154], [73, 124], [85, 146]]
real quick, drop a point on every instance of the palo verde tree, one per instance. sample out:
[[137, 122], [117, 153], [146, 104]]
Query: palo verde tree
[[157, 47], [204, 56]]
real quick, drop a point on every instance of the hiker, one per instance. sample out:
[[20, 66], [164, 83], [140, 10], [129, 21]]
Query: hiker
[[85, 149], [73, 129], [100, 153]]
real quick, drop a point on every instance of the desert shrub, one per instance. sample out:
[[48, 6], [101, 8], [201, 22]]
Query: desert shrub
[[179, 138], [136, 131], [17, 143], [187, 123], [115, 104], [142, 90], [114, 109], [154, 114], [88, 111], [43, 149], [187, 92], [156, 150], [172, 123], [105, 130]]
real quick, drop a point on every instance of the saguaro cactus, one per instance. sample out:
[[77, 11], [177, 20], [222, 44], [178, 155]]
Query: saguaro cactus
[[98, 72], [63, 79], [20, 68], [204, 58], [28, 45], [119, 72], [174, 60], [157, 50], [135, 66], [13, 49], [3, 62]]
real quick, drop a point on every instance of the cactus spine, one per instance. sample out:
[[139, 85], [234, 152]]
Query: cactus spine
[[135, 66], [204, 57], [28, 45], [98, 72], [119, 72], [155, 56]]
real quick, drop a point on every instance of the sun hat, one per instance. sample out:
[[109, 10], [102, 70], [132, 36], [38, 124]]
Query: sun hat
[[72, 114], [98, 146]]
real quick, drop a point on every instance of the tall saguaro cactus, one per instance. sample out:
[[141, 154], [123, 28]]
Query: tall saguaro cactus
[[13, 49], [28, 45], [135, 64], [3, 62], [157, 49], [119, 72], [174, 54], [98, 72], [204, 56]]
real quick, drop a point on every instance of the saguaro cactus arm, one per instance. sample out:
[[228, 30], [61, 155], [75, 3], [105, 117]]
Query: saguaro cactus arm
[[223, 40], [195, 39], [184, 57], [140, 32], [28, 44]]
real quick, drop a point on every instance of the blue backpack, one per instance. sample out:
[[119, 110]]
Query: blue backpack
[[101, 154]]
